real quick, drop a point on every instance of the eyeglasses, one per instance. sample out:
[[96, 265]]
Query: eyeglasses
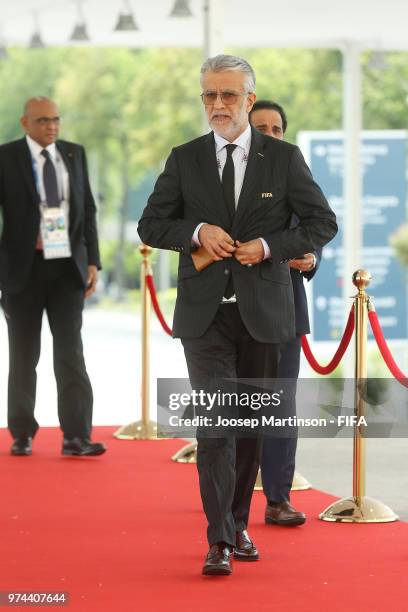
[[43, 121], [227, 97]]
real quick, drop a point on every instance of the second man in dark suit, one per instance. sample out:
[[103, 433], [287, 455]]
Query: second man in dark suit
[[278, 454]]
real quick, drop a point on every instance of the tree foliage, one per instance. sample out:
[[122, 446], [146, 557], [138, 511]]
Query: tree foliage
[[130, 107], [150, 97]]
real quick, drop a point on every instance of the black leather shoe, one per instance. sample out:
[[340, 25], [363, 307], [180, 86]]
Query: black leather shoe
[[82, 447], [22, 446], [245, 550], [283, 514], [218, 560]]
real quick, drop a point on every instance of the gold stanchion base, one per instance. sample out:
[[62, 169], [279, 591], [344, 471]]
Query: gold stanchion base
[[187, 454], [358, 510], [137, 431], [299, 483], [258, 483]]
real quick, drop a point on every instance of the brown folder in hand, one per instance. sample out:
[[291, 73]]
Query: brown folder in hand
[[201, 258]]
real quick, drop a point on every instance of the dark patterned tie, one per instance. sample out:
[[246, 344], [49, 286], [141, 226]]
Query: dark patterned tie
[[228, 187], [50, 181], [228, 181]]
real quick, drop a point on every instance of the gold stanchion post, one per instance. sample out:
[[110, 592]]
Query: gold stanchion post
[[359, 508], [144, 429]]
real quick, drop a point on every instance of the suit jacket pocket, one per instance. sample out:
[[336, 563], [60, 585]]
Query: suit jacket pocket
[[278, 273], [188, 271]]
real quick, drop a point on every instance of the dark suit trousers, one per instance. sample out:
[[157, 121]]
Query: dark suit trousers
[[54, 287], [227, 467], [278, 454]]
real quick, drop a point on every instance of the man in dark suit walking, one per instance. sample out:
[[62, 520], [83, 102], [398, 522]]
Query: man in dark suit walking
[[49, 261], [232, 192], [278, 454]]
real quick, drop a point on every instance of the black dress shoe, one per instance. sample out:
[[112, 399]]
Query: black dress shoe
[[82, 447], [244, 548], [218, 560], [283, 513], [22, 446]]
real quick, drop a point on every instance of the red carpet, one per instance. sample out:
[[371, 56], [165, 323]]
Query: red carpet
[[124, 532]]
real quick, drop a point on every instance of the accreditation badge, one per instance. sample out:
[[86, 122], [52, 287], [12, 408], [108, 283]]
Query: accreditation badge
[[54, 232]]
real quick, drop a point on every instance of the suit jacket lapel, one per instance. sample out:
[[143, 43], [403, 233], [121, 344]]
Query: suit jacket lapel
[[67, 156], [26, 164], [253, 174], [207, 161]]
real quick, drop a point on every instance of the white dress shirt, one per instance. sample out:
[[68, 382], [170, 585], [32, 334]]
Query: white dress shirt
[[240, 159], [38, 162]]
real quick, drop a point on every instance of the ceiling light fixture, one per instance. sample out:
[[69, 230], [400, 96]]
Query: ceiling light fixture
[[80, 32], [181, 8], [36, 41], [126, 20]]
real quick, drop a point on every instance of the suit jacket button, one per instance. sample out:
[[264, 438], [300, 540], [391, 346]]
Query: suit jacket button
[[226, 271]]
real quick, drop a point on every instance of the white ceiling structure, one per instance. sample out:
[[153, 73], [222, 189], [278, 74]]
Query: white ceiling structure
[[261, 23]]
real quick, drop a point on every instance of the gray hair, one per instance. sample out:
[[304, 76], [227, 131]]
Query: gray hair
[[222, 63]]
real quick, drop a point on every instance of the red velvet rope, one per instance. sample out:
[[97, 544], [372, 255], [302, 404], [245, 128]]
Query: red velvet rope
[[384, 350], [345, 341], [153, 295], [305, 345]]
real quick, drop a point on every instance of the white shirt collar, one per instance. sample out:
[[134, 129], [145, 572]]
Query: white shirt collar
[[36, 148], [243, 141]]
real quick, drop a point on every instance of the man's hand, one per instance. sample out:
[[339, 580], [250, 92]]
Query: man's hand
[[305, 264], [218, 243], [249, 253], [92, 278]]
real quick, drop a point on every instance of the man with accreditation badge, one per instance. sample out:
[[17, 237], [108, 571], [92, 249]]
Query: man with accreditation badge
[[49, 261]]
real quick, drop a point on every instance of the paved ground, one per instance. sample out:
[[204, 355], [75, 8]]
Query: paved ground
[[112, 349]]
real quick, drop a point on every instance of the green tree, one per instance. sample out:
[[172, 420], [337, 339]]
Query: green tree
[[385, 90], [24, 74], [306, 82], [130, 107]]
